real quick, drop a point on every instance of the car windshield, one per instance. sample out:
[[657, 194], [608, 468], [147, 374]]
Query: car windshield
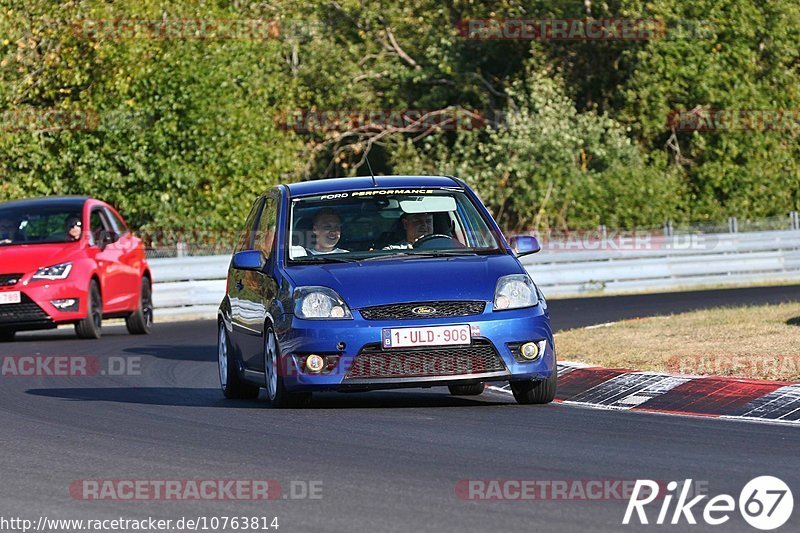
[[384, 223], [40, 224]]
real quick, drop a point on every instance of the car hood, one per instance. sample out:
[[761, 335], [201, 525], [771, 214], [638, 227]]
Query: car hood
[[388, 281], [25, 258]]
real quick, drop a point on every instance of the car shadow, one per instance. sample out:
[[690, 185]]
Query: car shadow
[[60, 335], [197, 352], [395, 400], [212, 397], [172, 396]]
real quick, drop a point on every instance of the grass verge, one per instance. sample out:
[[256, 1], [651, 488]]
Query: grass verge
[[759, 342]]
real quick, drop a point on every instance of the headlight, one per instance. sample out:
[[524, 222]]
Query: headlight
[[54, 272], [320, 303], [515, 291]]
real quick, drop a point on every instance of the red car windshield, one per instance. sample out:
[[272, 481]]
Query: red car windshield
[[44, 225]]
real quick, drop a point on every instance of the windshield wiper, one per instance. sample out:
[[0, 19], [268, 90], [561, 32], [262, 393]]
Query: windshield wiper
[[443, 253], [437, 253], [324, 259]]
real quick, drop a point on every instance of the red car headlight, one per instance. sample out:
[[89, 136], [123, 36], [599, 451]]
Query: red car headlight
[[60, 271]]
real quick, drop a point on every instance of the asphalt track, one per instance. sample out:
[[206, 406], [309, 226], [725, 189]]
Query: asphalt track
[[387, 461]]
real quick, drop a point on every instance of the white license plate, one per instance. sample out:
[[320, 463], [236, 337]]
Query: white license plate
[[10, 297], [426, 336]]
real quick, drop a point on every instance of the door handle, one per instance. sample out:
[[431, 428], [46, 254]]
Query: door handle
[[239, 285]]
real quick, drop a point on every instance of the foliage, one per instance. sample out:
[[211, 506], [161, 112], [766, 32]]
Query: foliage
[[184, 132]]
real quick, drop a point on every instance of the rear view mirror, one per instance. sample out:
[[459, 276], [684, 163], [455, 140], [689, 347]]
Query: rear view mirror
[[524, 245], [428, 204]]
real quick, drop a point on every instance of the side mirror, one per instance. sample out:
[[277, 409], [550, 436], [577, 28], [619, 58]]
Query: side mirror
[[249, 260], [106, 238], [524, 245]]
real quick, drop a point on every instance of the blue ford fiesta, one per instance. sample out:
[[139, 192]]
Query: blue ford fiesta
[[356, 284]]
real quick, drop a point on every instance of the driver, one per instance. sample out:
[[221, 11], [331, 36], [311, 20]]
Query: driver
[[73, 229], [416, 225]]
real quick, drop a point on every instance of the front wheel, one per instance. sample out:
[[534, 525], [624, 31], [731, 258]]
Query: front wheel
[[273, 380], [229, 381], [7, 335], [535, 392], [91, 326], [141, 320]]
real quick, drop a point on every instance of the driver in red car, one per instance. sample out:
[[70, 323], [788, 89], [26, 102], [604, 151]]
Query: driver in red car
[[416, 225], [73, 229]]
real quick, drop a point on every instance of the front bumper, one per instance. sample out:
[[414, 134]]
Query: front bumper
[[487, 358], [35, 311]]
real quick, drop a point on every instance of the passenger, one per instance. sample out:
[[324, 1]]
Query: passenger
[[416, 226], [327, 230]]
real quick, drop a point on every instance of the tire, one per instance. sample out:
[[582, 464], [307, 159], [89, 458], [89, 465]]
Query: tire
[[7, 335], [229, 381], [91, 326], [473, 389], [141, 321], [273, 380], [535, 391]]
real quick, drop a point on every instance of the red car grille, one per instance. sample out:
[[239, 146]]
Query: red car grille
[[25, 311], [372, 362]]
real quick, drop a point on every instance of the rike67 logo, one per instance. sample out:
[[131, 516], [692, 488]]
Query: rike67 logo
[[765, 503]]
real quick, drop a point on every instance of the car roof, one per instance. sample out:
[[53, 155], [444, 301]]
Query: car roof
[[333, 185], [60, 201]]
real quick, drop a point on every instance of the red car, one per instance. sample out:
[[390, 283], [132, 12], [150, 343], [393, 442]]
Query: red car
[[70, 260]]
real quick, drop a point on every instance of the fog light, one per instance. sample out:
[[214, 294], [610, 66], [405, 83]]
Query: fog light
[[67, 304], [315, 363], [529, 351]]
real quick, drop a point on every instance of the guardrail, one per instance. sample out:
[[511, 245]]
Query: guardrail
[[189, 285], [668, 262], [196, 285]]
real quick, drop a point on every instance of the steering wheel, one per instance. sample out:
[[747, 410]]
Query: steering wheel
[[420, 243]]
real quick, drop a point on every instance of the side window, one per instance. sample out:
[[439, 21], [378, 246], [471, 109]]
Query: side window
[[98, 225], [245, 241], [117, 224], [267, 226]]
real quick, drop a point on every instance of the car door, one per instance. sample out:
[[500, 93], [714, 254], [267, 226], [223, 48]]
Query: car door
[[260, 287], [129, 259], [107, 259], [235, 289]]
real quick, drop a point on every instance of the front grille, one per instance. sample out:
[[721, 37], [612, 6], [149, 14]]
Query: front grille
[[7, 280], [442, 309], [372, 362], [25, 311]]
